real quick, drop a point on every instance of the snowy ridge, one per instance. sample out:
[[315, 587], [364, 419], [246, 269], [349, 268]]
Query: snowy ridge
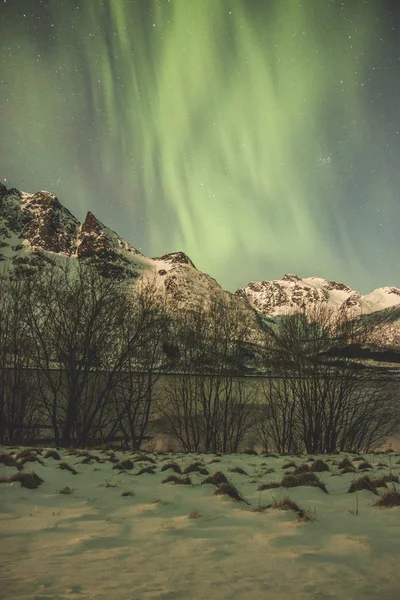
[[289, 293]]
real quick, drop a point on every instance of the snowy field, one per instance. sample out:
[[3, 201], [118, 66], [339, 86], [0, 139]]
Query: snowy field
[[109, 532]]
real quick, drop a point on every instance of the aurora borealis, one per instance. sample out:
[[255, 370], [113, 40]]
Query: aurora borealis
[[258, 136]]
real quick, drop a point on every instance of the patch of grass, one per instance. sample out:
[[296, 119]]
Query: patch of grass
[[348, 470], [216, 479], [194, 514], [228, 489], [193, 467], [9, 461], [182, 480], [364, 465], [388, 499], [173, 466], [304, 468], [319, 466], [149, 470], [345, 464], [268, 486], [363, 483], [285, 503], [214, 460], [382, 481], [128, 493], [238, 470], [289, 465], [66, 467], [30, 481], [303, 479], [124, 464], [67, 491]]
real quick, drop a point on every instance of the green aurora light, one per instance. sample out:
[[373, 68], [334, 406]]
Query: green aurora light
[[225, 128]]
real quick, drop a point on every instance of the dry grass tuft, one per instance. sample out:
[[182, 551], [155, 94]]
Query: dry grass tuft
[[303, 479], [149, 470], [30, 481], [304, 468], [228, 489], [238, 470], [363, 483], [66, 467], [289, 465], [348, 470], [215, 479], [268, 486], [173, 466], [124, 464], [182, 480], [67, 491], [193, 467], [214, 460], [388, 499], [382, 481], [364, 465], [319, 466], [9, 461], [194, 514], [285, 503], [345, 464]]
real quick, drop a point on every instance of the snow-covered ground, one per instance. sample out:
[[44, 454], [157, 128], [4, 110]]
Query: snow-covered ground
[[180, 542]]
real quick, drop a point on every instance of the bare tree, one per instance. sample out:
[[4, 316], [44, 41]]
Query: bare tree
[[88, 328], [317, 399], [208, 406], [20, 416]]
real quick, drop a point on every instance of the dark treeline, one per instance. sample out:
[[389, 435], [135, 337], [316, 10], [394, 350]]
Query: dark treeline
[[81, 354]]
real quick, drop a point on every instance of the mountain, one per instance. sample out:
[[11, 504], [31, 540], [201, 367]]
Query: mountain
[[283, 295], [37, 227], [379, 310]]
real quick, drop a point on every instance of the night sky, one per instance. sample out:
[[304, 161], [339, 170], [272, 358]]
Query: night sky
[[261, 137]]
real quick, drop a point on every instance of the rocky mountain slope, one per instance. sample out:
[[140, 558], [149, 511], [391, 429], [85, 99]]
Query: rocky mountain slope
[[37, 226]]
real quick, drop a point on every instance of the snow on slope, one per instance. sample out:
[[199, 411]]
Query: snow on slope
[[178, 542], [289, 293]]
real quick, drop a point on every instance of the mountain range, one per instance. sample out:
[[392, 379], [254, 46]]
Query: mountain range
[[36, 226]]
